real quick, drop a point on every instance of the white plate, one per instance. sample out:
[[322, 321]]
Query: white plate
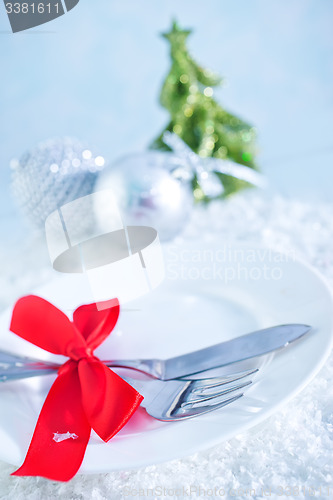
[[212, 293]]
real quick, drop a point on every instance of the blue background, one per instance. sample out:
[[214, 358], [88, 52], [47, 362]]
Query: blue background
[[96, 73]]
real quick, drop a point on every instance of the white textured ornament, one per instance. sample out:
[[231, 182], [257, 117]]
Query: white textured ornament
[[147, 193], [55, 172]]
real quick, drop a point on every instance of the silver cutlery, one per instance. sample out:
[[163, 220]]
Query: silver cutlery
[[177, 399], [248, 346]]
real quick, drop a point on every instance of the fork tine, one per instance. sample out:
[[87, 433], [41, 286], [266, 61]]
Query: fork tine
[[177, 399], [201, 410], [211, 396]]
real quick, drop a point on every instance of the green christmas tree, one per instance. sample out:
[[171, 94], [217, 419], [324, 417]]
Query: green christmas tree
[[198, 119]]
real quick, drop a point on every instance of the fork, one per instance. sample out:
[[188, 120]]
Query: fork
[[182, 399]]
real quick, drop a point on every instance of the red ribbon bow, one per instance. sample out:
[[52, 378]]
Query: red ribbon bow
[[86, 394]]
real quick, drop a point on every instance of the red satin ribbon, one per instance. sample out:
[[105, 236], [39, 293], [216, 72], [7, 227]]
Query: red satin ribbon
[[86, 394]]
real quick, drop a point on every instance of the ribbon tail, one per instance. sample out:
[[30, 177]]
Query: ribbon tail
[[108, 401], [62, 432]]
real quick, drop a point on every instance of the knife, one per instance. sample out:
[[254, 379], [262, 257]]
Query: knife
[[226, 353]]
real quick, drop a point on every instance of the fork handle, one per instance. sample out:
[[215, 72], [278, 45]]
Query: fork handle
[[19, 368]]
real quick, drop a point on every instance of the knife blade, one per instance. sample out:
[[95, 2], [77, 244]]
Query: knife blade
[[239, 349]]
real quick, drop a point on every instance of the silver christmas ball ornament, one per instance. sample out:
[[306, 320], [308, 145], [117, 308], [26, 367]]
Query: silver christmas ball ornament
[[52, 174], [148, 192]]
